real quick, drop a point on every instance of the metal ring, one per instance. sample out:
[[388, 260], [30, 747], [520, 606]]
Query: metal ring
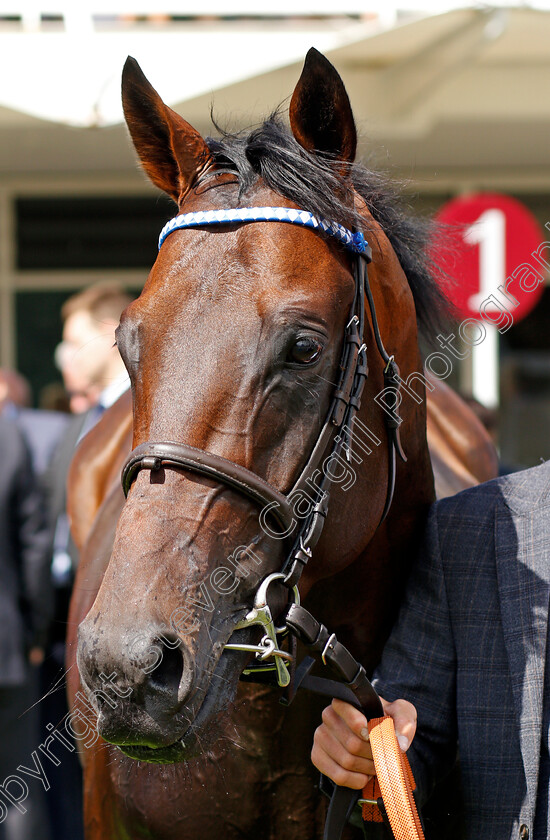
[[268, 645]]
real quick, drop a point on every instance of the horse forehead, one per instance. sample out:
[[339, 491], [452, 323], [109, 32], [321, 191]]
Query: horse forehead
[[258, 261]]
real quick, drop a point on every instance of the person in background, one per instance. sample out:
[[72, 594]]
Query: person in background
[[95, 377], [25, 608], [54, 397], [87, 357], [41, 429]]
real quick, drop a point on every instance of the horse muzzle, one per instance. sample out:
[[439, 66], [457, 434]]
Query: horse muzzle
[[138, 685]]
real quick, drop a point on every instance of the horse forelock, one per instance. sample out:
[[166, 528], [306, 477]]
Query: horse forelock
[[271, 153]]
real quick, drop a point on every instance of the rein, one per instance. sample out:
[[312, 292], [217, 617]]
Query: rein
[[309, 494]]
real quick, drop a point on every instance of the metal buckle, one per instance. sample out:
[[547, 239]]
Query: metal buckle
[[390, 360], [304, 544], [329, 646], [269, 646]]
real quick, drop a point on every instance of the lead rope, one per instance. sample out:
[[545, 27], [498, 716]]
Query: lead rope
[[394, 783], [390, 797]]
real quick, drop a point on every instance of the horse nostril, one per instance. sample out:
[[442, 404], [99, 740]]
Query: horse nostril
[[167, 675]]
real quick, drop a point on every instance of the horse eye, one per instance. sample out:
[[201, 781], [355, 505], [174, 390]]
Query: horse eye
[[305, 351]]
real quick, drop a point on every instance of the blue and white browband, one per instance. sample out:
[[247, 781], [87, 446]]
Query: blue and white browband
[[352, 241]]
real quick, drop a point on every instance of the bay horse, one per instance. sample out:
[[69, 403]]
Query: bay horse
[[234, 350]]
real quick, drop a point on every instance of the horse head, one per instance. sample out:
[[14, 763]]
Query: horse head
[[235, 350]]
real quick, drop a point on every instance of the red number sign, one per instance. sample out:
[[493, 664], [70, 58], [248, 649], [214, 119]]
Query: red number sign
[[495, 252]]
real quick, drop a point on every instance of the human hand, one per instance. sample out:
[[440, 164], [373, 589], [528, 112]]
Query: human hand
[[341, 748]]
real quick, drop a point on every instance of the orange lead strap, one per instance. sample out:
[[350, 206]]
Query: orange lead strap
[[394, 782], [394, 777]]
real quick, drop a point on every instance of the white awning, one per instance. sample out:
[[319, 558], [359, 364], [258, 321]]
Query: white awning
[[464, 94], [74, 77]]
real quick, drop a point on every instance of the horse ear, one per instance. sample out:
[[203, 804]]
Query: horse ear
[[172, 153], [320, 112]]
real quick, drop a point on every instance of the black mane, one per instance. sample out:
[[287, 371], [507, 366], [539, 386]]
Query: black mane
[[311, 181]]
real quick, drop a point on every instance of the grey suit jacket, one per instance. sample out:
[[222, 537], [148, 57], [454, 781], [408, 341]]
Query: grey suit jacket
[[55, 477], [469, 649], [43, 431], [25, 589]]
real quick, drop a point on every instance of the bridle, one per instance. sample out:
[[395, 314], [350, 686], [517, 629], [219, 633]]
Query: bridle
[[308, 499]]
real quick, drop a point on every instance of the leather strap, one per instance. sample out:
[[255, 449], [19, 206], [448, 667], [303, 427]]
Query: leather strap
[[153, 456], [336, 658], [393, 788]]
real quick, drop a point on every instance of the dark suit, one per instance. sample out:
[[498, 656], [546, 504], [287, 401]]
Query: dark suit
[[65, 802], [25, 591], [43, 431], [469, 650], [25, 611]]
